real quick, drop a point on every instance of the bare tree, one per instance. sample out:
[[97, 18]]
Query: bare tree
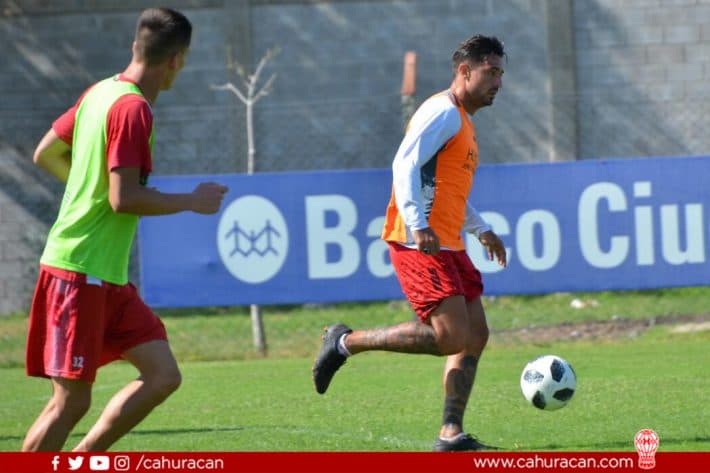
[[249, 97]]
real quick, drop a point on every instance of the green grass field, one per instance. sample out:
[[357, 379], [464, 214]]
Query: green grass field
[[658, 379], [292, 332]]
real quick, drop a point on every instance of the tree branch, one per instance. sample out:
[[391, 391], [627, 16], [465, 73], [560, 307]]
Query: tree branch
[[266, 89], [229, 86]]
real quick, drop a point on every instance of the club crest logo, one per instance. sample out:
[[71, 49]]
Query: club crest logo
[[646, 442], [252, 239]]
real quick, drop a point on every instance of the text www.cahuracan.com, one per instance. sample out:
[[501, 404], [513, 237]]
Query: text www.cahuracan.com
[[540, 462]]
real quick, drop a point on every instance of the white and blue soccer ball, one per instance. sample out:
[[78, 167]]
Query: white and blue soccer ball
[[548, 382]]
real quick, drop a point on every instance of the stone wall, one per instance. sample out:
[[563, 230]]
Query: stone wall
[[587, 79]]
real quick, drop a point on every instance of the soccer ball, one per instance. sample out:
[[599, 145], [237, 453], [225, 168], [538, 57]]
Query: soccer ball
[[548, 382]]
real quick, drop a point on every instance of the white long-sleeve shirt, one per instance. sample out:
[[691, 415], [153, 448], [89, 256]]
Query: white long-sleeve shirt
[[436, 121]]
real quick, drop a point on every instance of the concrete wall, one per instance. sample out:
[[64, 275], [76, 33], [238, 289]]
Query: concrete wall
[[585, 79], [643, 68]]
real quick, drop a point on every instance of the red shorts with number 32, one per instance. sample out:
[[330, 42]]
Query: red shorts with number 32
[[78, 324]]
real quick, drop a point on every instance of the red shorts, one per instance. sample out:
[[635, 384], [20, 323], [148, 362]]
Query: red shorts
[[426, 280], [78, 324]]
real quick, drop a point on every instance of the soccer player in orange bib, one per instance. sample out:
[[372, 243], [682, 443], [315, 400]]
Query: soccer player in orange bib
[[433, 173], [85, 313]]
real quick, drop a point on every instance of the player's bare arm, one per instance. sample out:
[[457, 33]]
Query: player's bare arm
[[53, 155], [494, 246], [127, 195]]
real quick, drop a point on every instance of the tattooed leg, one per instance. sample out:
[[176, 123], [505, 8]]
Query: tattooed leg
[[407, 337], [459, 374]]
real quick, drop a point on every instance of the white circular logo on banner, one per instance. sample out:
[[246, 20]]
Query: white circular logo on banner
[[252, 239]]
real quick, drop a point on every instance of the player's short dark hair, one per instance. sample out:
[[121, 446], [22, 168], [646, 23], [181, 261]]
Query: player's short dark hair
[[476, 48], [160, 33]]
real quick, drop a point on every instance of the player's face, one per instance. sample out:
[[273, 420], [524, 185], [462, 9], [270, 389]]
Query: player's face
[[484, 80]]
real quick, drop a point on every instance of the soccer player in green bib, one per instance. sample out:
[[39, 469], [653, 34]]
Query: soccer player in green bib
[[84, 312]]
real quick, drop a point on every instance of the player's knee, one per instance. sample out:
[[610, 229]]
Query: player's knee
[[72, 405], [165, 383], [451, 343], [478, 339]]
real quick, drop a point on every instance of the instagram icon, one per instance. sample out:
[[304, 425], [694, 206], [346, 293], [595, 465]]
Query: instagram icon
[[121, 463]]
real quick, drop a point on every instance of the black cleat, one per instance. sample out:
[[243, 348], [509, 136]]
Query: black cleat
[[329, 359], [460, 443]]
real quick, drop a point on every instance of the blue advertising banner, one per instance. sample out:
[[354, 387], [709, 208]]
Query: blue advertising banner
[[314, 236]]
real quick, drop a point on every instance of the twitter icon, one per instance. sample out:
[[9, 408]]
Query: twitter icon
[[75, 463]]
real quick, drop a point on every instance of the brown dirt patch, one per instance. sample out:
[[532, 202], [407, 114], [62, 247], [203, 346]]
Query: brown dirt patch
[[603, 330]]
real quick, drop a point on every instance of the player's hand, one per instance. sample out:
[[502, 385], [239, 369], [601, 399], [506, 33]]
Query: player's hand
[[207, 197], [426, 240], [494, 246]]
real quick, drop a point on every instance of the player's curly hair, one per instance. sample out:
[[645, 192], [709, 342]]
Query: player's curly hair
[[476, 48], [160, 33]]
